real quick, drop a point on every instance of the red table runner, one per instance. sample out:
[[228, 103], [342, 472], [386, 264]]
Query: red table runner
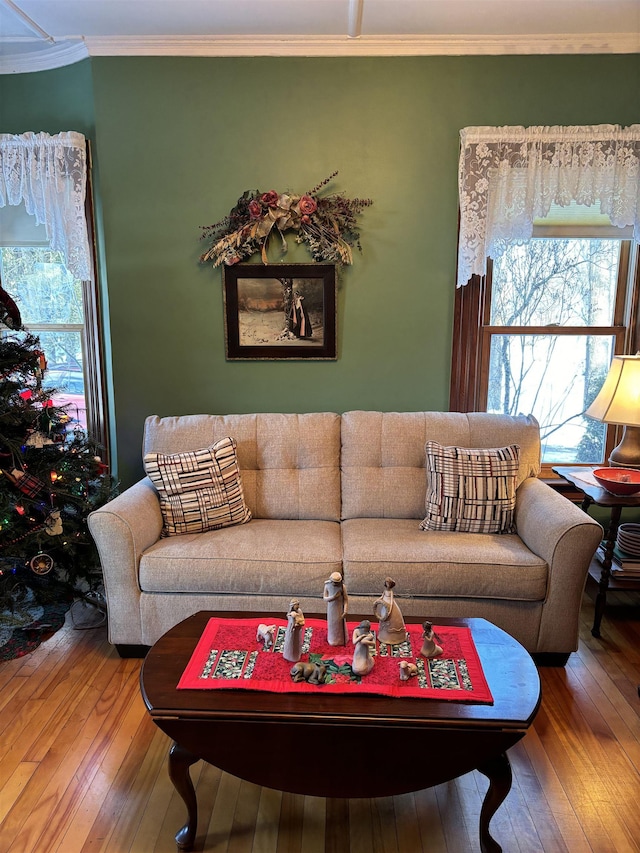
[[229, 656]]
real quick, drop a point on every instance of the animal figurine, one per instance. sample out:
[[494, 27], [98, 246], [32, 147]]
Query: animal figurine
[[265, 634], [313, 673], [407, 670]]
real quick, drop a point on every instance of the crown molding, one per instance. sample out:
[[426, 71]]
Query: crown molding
[[72, 50], [44, 57], [398, 45]]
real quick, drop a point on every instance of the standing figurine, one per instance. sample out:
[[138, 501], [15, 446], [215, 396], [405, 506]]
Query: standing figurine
[[430, 649], [364, 641], [391, 629], [293, 635], [335, 594]]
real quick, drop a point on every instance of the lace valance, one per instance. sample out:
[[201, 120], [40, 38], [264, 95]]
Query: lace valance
[[509, 176], [49, 175]]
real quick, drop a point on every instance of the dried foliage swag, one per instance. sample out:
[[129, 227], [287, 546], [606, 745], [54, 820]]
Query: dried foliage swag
[[327, 224]]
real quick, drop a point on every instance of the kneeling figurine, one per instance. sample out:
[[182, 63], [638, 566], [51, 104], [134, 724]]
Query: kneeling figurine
[[430, 649], [364, 641]]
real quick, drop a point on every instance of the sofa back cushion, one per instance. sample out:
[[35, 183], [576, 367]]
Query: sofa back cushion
[[384, 455], [290, 463]]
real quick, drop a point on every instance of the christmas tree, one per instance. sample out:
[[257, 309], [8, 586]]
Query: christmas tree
[[51, 474]]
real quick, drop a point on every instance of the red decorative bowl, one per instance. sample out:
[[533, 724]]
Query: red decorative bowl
[[618, 481]]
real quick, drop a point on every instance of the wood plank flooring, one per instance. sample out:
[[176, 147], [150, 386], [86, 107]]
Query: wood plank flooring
[[83, 769]]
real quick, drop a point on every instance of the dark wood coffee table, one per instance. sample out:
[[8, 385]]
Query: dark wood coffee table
[[363, 746]]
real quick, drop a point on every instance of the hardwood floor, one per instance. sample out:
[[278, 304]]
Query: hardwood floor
[[83, 769]]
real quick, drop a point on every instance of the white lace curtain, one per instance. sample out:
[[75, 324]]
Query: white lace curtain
[[509, 176], [49, 175]]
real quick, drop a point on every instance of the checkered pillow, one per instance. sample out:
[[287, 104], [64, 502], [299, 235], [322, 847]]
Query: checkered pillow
[[199, 490], [471, 490]]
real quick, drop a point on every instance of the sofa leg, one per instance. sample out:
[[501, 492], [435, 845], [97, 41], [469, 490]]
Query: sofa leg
[[130, 651], [550, 658]]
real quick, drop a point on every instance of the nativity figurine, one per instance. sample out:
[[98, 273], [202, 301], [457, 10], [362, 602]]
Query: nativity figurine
[[265, 635], [335, 595], [391, 629], [292, 650], [407, 670], [365, 642], [312, 673], [430, 648]]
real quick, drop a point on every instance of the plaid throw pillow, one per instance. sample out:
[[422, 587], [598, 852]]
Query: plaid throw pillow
[[471, 490], [199, 490]]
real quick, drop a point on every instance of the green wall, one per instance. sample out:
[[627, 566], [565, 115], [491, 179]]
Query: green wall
[[49, 101], [178, 140]]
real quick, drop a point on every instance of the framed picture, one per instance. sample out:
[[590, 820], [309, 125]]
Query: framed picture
[[278, 311]]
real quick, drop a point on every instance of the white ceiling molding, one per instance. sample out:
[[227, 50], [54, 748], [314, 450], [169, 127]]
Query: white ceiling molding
[[41, 56], [397, 45]]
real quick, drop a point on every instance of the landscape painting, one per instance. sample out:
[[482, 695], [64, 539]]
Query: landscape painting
[[280, 311]]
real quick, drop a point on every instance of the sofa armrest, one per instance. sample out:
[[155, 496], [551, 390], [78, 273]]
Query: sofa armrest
[[123, 529], [566, 538]]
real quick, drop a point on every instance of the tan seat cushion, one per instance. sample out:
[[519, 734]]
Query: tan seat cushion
[[262, 557], [439, 563]]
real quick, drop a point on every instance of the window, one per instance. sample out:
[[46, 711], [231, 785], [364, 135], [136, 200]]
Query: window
[[51, 302], [53, 287], [547, 276], [538, 332]]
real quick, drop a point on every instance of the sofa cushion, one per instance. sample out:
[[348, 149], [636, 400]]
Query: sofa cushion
[[471, 490], [437, 563], [290, 463], [383, 455], [265, 557], [199, 490]]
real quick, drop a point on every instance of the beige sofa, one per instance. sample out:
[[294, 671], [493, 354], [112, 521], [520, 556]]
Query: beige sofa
[[346, 493]]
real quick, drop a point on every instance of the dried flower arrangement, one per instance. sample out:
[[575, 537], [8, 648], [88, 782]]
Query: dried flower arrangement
[[327, 224]]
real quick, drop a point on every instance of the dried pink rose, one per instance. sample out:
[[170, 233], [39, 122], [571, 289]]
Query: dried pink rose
[[307, 205], [270, 198], [255, 209]]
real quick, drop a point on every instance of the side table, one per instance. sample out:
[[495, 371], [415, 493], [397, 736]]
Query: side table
[[595, 494]]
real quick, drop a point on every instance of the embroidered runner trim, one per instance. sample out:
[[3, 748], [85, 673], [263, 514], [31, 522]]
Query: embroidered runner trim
[[229, 656]]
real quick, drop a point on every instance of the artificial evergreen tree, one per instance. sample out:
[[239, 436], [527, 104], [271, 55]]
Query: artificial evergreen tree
[[51, 474]]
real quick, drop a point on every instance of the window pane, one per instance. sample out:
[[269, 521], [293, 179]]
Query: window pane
[[63, 351], [42, 286], [555, 378], [563, 282]]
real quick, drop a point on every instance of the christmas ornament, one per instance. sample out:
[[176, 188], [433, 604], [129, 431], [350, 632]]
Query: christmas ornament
[[28, 484], [41, 564], [53, 523], [38, 439]]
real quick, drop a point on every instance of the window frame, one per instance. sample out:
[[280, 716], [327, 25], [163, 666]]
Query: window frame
[[472, 332], [91, 334]]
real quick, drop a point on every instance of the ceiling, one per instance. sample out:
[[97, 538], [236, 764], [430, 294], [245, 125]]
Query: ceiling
[[40, 34]]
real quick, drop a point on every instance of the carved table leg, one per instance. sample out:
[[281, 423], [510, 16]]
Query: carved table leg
[[180, 760], [498, 772]]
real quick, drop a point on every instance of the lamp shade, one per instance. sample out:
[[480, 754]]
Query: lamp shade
[[618, 401]]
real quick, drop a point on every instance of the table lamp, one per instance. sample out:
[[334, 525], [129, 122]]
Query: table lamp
[[618, 402]]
